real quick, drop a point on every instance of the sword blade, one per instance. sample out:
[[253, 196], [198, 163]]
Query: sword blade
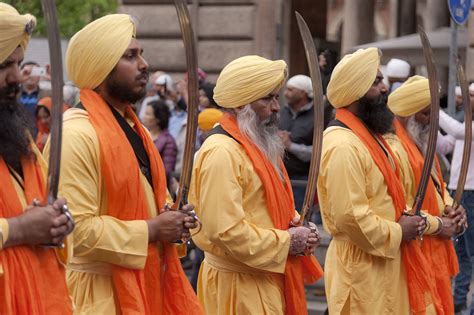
[[313, 64], [467, 136], [50, 15], [434, 122], [193, 101]]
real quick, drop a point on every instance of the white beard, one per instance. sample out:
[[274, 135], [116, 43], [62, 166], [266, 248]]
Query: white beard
[[419, 134], [263, 134]]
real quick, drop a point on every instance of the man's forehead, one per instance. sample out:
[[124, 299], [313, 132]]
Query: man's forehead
[[134, 45], [16, 56]]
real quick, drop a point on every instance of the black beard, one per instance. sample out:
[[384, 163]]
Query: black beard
[[14, 130], [118, 89], [376, 115]]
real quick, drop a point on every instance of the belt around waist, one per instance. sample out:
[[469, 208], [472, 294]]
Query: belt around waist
[[225, 265]]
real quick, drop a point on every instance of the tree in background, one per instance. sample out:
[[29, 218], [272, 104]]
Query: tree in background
[[73, 14]]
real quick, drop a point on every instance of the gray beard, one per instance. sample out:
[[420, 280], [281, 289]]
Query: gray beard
[[419, 134], [263, 133]]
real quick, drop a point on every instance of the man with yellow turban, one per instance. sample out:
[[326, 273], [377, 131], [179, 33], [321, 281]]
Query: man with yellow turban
[[243, 196], [32, 279], [123, 259], [411, 104], [373, 264]]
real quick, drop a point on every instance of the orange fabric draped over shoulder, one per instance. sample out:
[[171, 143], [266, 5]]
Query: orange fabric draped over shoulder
[[280, 204], [161, 287], [33, 280], [439, 252], [418, 273]]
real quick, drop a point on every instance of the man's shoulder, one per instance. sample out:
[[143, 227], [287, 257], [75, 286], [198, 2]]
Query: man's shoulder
[[338, 135], [76, 122]]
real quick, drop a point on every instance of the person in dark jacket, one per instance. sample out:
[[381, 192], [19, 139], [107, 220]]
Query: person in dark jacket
[[156, 119], [296, 132]]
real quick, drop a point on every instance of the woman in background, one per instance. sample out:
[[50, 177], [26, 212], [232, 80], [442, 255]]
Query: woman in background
[[156, 119]]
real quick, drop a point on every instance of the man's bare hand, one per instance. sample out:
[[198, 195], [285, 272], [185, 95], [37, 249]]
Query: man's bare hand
[[458, 215], [170, 226], [412, 226], [39, 225]]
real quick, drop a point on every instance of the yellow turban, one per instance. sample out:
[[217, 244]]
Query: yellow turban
[[15, 30], [247, 79], [411, 97], [353, 76], [208, 118], [94, 51]]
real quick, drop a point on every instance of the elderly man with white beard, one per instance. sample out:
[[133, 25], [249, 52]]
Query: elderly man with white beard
[[243, 196], [411, 104]]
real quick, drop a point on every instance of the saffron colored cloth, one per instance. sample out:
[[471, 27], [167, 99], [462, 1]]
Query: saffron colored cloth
[[246, 209], [113, 268], [367, 269], [32, 278], [439, 252]]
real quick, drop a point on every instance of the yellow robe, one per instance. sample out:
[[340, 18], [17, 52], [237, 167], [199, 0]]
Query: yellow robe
[[363, 271], [98, 240], [408, 179], [245, 256]]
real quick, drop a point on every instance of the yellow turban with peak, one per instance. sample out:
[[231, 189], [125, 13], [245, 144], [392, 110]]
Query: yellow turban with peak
[[411, 97], [15, 30], [94, 51], [208, 118], [353, 76], [247, 79]]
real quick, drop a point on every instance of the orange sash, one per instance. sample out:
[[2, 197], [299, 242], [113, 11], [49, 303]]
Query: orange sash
[[280, 204], [33, 281], [439, 252], [161, 287], [418, 273]]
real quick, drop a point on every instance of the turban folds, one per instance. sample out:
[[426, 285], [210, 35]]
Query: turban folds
[[15, 30], [301, 82], [247, 79], [353, 76], [411, 97], [208, 118], [94, 51]]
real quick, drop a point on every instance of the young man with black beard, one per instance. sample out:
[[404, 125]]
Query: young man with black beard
[[123, 260], [28, 270], [411, 103], [373, 256]]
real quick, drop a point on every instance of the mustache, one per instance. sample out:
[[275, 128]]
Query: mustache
[[273, 120], [143, 75], [6, 91]]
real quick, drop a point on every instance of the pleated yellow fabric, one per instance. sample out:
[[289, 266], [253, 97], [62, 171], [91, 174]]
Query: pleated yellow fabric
[[247, 79], [94, 51], [353, 76], [411, 97], [15, 30]]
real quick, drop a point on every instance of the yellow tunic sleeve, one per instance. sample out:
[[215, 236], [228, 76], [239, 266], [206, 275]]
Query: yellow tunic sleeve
[[344, 176], [220, 187], [4, 229], [97, 237]]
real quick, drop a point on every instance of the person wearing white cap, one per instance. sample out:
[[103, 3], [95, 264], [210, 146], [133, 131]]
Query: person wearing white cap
[[398, 71], [296, 131], [459, 113]]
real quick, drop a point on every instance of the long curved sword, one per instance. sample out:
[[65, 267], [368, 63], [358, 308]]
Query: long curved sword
[[193, 103], [434, 122], [318, 105], [49, 10], [467, 136]]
